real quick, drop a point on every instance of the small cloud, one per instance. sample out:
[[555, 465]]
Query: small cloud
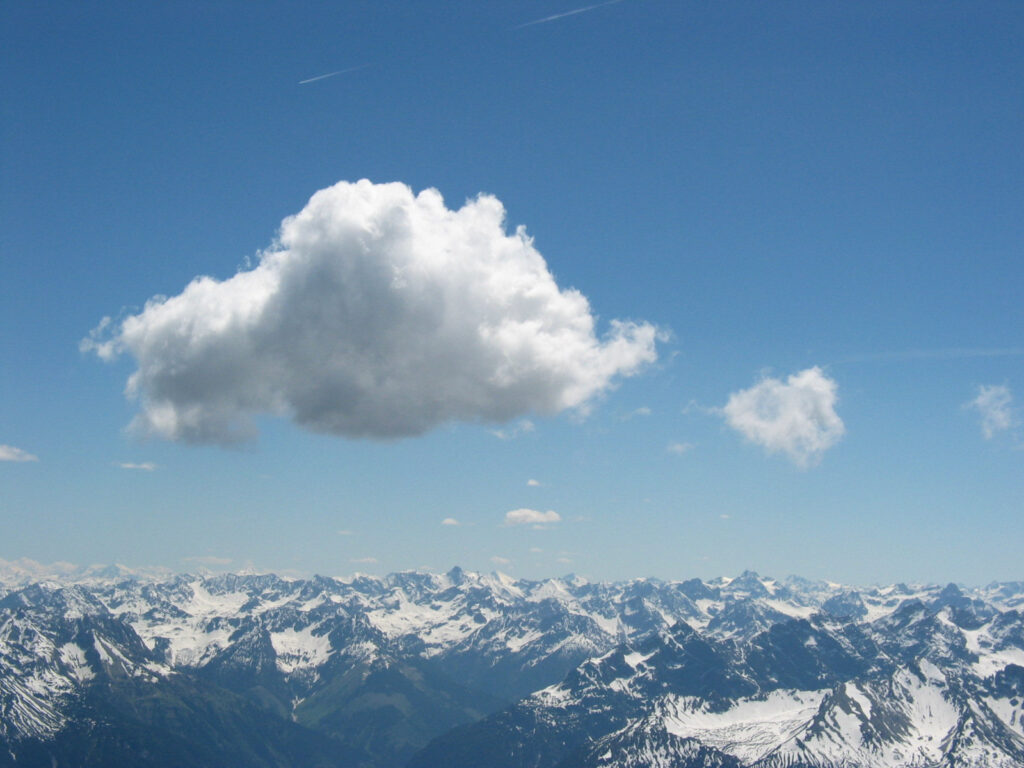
[[450, 521], [208, 560], [498, 560], [724, 516], [346, 532], [523, 427], [145, 466], [10, 453], [531, 517], [995, 405], [364, 560], [536, 550], [679, 448], [693, 407], [796, 417], [565, 560], [533, 483], [641, 411]]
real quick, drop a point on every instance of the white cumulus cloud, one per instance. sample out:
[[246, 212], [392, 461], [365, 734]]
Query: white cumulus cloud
[[796, 417], [531, 517], [995, 405], [10, 453], [376, 313], [450, 521]]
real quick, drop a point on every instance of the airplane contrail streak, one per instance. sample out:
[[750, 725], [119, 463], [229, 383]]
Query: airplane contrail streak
[[933, 354], [332, 74], [567, 13]]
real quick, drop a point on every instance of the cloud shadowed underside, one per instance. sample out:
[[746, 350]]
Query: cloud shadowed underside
[[377, 313]]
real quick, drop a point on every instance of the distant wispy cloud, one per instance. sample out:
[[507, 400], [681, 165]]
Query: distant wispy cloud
[[565, 14], [498, 560], [145, 466], [643, 410], [533, 483], [531, 517], [450, 521], [10, 453], [951, 353], [208, 560], [995, 405], [332, 74], [796, 417], [679, 448], [522, 427], [365, 560], [346, 532], [693, 407]]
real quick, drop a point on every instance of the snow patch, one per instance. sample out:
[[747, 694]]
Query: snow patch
[[300, 649]]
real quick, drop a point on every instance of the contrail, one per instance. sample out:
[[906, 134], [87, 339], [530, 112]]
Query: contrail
[[557, 16], [339, 72], [933, 354]]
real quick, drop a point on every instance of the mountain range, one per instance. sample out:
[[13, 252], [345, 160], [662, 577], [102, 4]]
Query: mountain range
[[112, 667]]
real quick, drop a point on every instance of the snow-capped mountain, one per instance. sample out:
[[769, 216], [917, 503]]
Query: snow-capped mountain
[[934, 683], [482, 669]]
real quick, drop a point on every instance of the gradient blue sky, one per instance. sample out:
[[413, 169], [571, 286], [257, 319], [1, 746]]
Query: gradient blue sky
[[777, 185]]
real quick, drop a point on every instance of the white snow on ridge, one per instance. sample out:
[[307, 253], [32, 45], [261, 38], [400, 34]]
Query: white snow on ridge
[[838, 737], [205, 604], [750, 728], [635, 658], [854, 692], [74, 658], [300, 649], [1011, 715], [791, 609], [990, 661]]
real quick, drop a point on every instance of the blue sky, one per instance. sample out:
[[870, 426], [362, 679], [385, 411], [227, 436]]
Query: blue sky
[[816, 207]]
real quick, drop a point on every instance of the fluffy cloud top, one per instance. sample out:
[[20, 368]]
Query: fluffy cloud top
[[994, 403], [10, 453], [531, 517], [450, 521], [377, 313], [796, 417]]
